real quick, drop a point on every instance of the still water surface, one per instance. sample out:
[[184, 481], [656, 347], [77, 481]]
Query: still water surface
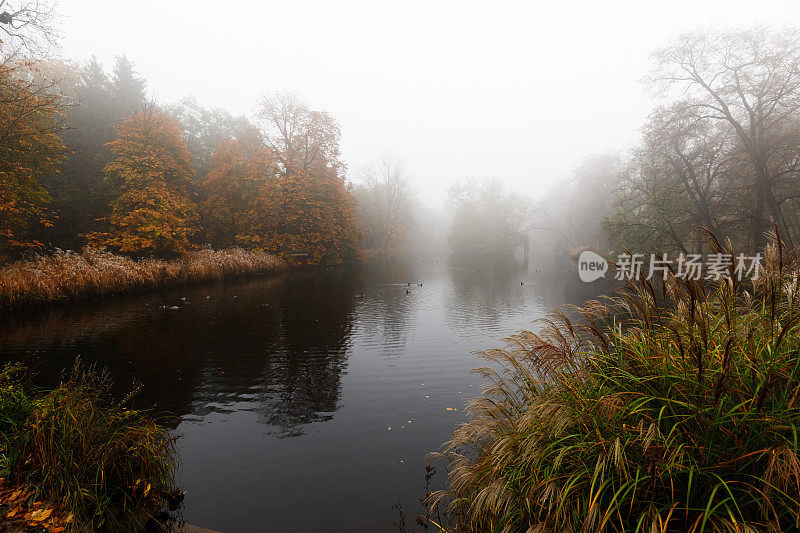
[[305, 401]]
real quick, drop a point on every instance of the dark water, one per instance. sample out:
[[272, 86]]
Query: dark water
[[284, 388]]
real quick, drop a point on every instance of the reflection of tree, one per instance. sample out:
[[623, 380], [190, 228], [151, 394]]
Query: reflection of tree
[[302, 374], [275, 344], [384, 315], [484, 291]]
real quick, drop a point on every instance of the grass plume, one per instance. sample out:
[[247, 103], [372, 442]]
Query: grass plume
[[666, 407]]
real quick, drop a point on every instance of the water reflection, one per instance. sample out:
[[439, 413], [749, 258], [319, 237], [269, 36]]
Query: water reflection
[[485, 291], [365, 369], [259, 342]]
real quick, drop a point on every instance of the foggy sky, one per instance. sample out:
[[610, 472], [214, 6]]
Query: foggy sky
[[517, 91]]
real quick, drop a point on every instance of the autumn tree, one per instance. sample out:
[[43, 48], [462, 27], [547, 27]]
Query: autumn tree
[[307, 216], [204, 129], [306, 209], [30, 146], [151, 170], [240, 171]]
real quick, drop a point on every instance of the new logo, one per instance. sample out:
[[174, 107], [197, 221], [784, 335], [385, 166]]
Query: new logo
[[591, 266]]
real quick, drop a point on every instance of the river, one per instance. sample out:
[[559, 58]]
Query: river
[[304, 401]]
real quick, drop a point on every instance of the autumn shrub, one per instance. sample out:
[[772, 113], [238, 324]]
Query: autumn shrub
[[103, 466], [667, 407], [71, 275]]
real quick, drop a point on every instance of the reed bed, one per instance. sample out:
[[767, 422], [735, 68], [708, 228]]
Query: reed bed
[[67, 275], [667, 407]]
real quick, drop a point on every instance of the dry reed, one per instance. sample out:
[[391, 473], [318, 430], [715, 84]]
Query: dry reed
[[68, 275]]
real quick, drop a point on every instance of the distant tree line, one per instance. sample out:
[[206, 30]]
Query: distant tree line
[[487, 219], [721, 151]]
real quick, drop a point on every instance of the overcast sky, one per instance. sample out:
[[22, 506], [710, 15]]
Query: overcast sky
[[521, 91]]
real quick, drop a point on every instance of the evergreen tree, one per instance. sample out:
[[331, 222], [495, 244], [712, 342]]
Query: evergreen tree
[[127, 89]]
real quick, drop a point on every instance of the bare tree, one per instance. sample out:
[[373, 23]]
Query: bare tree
[[750, 80], [385, 201], [695, 154], [305, 137], [26, 26]]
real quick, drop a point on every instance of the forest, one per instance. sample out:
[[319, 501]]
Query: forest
[[90, 160]]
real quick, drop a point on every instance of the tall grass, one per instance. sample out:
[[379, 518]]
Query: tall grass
[[104, 467], [71, 275], [667, 407]]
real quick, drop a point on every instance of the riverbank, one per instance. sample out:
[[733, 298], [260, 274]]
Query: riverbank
[[73, 458], [67, 275], [670, 407]]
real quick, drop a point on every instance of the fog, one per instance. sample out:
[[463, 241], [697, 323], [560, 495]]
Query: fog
[[515, 91]]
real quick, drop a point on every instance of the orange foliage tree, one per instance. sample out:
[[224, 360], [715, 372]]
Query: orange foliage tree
[[30, 146], [151, 170], [240, 169], [306, 209], [310, 216]]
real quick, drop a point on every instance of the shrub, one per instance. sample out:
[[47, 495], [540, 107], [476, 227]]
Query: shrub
[[110, 468], [663, 408]]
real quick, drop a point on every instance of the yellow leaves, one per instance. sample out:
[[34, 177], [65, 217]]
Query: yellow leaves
[[40, 515], [153, 212], [30, 146], [19, 513]]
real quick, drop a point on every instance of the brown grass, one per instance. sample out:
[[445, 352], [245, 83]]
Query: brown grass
[[67, 275]]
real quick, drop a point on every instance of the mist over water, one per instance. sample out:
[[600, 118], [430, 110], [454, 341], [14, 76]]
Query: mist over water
[[283, 389]]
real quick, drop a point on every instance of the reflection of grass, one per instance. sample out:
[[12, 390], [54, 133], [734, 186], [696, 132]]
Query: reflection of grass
[[105, 467], [671, 408], [70, 275]]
